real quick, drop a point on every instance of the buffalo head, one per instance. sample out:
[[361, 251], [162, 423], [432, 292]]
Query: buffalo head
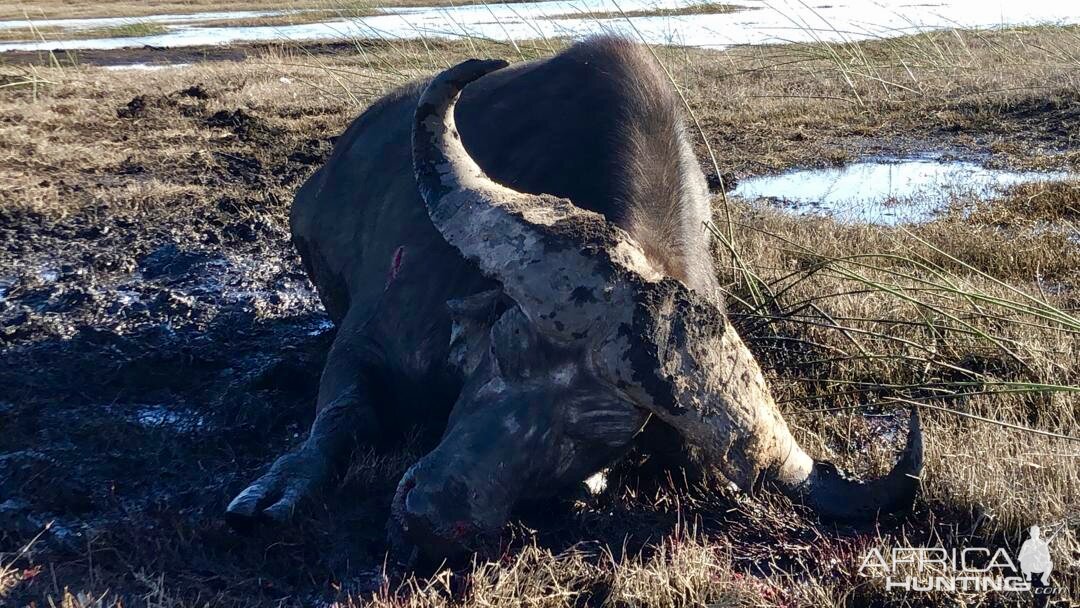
[[529, 421], [585, 341]]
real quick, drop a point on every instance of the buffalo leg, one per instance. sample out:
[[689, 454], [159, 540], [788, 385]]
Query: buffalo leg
[[345, 418]]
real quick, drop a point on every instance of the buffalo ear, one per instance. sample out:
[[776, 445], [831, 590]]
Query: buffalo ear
[[471, 320], [485, 305]]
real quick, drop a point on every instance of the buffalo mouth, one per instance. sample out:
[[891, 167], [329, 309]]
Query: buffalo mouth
[[435, 524]]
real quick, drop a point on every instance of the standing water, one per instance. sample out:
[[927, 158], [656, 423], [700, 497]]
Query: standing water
[[885, 191], [752, 22]]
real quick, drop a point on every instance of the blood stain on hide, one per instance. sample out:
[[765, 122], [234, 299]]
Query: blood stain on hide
[[396, 262]]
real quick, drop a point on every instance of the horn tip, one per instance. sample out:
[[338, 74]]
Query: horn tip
[[835, 497], [911, 461]]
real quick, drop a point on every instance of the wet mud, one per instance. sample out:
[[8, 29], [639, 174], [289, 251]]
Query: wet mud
[[152, 363]]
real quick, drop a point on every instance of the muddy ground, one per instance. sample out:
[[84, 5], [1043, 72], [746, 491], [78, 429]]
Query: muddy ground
[[142, 388], [155, 359]]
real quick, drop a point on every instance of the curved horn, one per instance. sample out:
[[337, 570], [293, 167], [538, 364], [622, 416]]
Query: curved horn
[[581, 279], [439, 159], [699, 377], [513, 237]]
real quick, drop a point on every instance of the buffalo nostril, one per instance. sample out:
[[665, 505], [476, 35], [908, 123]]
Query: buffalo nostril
[[417, 510], [417, 504]]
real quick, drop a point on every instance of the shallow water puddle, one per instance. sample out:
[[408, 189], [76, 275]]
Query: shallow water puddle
[[161, 416], [760, 22], [150, 67], [883, 191]]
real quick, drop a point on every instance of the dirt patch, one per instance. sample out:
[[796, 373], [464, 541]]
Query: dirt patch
[[155, 359], [167, 369]]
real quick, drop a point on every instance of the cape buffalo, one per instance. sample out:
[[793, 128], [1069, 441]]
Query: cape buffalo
[[541, 335]]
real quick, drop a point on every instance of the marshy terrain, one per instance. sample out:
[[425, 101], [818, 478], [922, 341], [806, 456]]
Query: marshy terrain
[[160, 344]]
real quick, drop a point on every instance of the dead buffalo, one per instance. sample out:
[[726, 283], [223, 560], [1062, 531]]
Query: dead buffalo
[[540, 334]]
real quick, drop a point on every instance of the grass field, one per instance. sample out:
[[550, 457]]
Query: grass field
[[972, 315], [142, 28], [56, 33], [67, 9]]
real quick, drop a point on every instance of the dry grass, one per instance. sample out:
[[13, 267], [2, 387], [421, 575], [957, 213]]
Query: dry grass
[[70, 9], [312, 16], [1011, 94], [57, 33], [67, 9], [682, 571], [973, 312], [137, 28]]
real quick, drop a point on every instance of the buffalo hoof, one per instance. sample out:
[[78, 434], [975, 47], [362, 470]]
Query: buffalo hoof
[[276, 496]]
